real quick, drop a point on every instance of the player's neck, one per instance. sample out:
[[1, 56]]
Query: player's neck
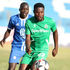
[[23, 18], [39, 20]]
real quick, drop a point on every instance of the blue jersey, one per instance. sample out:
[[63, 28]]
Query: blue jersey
[[18, 25]]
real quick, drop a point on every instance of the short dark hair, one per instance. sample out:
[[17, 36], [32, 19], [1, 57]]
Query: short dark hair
[[38, 5], [23, 4]]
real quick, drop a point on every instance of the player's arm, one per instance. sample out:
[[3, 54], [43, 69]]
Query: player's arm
[[55, 37], [28, 43], [7, 33]]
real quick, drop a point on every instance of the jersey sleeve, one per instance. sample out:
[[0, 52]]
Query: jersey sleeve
[[11, 24], [53, 25], [27, 30]]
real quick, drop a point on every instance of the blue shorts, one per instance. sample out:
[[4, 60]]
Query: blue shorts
[[16, 54]]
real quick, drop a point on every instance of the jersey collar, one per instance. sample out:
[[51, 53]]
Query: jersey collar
[[21, 18]]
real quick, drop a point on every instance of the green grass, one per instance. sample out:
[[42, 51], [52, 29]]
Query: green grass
[[4, 57], [60, 62]]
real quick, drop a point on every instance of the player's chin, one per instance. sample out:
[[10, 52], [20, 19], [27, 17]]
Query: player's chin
[[39, 19], [24, 15]]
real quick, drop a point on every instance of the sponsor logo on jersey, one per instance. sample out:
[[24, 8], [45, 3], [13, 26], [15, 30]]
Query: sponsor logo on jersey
[[41, 30], [22, 32]]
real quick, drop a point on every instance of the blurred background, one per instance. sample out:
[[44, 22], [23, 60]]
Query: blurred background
[[59, 10]]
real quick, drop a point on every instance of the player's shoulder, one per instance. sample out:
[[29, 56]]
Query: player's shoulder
[[48, 18], [14, 17], [29, 15], [30, 19]]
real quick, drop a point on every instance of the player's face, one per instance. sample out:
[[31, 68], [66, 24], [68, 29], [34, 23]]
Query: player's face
[[39, 13], [24, 11]]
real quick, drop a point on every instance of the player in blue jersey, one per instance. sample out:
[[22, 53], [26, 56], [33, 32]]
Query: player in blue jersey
[[17, 22]]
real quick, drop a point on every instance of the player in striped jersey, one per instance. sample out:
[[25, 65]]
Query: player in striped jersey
[[17, 22]]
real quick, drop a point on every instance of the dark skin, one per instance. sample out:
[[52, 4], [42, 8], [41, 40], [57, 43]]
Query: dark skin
[[24, 11], [39, 15], [55, 37], [23, 14], [7, 33]]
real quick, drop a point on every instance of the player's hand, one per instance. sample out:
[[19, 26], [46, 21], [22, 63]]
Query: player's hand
[[2, 42], [54, 52], [28, 50]]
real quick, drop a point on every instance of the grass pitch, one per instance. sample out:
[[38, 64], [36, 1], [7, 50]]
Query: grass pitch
[[60, 62]]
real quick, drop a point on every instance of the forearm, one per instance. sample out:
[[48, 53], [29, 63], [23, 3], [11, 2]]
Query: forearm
[[7, 33], [55, 36], [28, 42]]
